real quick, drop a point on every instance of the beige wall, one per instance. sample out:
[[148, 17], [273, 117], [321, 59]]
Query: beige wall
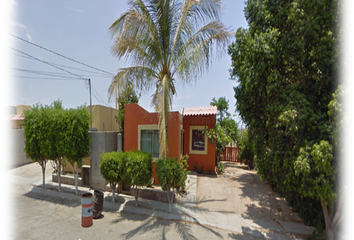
[[69, 168], [15, 124], [103, 118], [21, 108]]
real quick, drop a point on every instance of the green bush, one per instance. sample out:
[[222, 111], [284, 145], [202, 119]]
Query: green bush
[[245, 153], [112, 168], [221, 168], [139, 170], [171, 174]]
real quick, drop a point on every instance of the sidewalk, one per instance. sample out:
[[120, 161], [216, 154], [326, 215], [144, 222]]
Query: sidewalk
[[184, 210]]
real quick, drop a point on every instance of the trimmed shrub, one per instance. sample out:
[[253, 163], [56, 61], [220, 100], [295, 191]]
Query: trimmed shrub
[[139, 171]]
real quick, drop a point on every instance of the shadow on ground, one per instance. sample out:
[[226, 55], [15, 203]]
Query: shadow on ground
[[34, 194], [266, 204], [155, 223]]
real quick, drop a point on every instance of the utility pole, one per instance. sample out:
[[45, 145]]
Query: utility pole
[[89, 82]]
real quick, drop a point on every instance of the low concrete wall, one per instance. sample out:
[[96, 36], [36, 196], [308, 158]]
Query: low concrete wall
[[67, 179], [17, 155], [100, 142]]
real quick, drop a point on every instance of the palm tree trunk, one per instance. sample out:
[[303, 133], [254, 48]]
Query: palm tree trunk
[[164, 111]]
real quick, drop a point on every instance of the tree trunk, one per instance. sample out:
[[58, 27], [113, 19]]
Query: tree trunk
[[170, 199], [58, 173], [120, 187], [74, 178], [330, 231], [136, 193], [113, 186], [43, 172]]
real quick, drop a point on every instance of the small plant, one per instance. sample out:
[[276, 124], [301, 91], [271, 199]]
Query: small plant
[[195, 166], [184, 165], [210, 171], [201, 170], [221, 168]]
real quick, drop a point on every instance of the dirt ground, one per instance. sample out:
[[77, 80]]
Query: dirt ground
[[240, 190]]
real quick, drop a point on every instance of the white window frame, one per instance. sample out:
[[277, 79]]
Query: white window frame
[[199, 152]]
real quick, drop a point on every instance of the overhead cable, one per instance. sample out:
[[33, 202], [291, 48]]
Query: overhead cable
[[60, 55]]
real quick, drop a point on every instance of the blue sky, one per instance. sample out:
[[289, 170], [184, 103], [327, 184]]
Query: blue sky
[[79, 30]]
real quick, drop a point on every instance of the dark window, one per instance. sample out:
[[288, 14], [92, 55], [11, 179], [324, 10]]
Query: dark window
[[149, 142], [198, 140]]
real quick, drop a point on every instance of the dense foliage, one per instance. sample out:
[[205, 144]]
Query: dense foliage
[[172, 174], [112, 168], [34, 134], [285, 66], [74, 137], [128, 95], [225, 131], [133, 167], [52, 133], [139, 169], [244, 144]]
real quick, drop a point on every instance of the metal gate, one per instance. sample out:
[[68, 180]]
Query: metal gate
[[230, 154]]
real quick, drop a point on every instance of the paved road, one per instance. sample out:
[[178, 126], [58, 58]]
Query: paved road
[[49, 214]]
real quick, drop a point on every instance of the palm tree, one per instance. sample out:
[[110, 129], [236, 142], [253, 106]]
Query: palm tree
[[165, 39]]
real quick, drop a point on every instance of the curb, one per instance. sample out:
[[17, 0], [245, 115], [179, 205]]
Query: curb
[[189, 213]]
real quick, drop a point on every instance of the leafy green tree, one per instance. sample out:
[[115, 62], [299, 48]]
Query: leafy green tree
[[314, 166], [225, 130], [285, 64], [139, 170], [112, 168], [171, 175], [42, 134], [34, 126], [75, 139], [244, 144], [128, 95], [223, 107], [54, 115], [166, 40]]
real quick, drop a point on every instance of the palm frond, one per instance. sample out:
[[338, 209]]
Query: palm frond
[[194, 57], [142, 78]]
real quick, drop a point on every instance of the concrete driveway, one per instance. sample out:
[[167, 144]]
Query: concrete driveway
[[240, 191]]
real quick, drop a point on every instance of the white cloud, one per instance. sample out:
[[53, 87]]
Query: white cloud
[[29, 38]]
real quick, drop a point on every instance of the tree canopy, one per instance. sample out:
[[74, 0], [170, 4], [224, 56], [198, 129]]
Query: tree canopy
[[166, 41], [285, 65], [53, 133], [128, 95], [225, 130]]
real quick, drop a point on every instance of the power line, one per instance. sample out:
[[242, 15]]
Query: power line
[[48, 73], [53, 79], [48, 63], [52, 74], [61, 55], [102, 101]]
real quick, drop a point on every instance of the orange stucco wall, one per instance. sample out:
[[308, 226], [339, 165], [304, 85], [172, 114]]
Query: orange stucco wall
[[134, 115], [205, 161]]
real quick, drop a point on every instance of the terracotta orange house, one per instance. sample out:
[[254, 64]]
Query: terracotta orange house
[[184, 131]]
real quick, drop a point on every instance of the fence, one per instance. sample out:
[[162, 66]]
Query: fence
[[230, 154]]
